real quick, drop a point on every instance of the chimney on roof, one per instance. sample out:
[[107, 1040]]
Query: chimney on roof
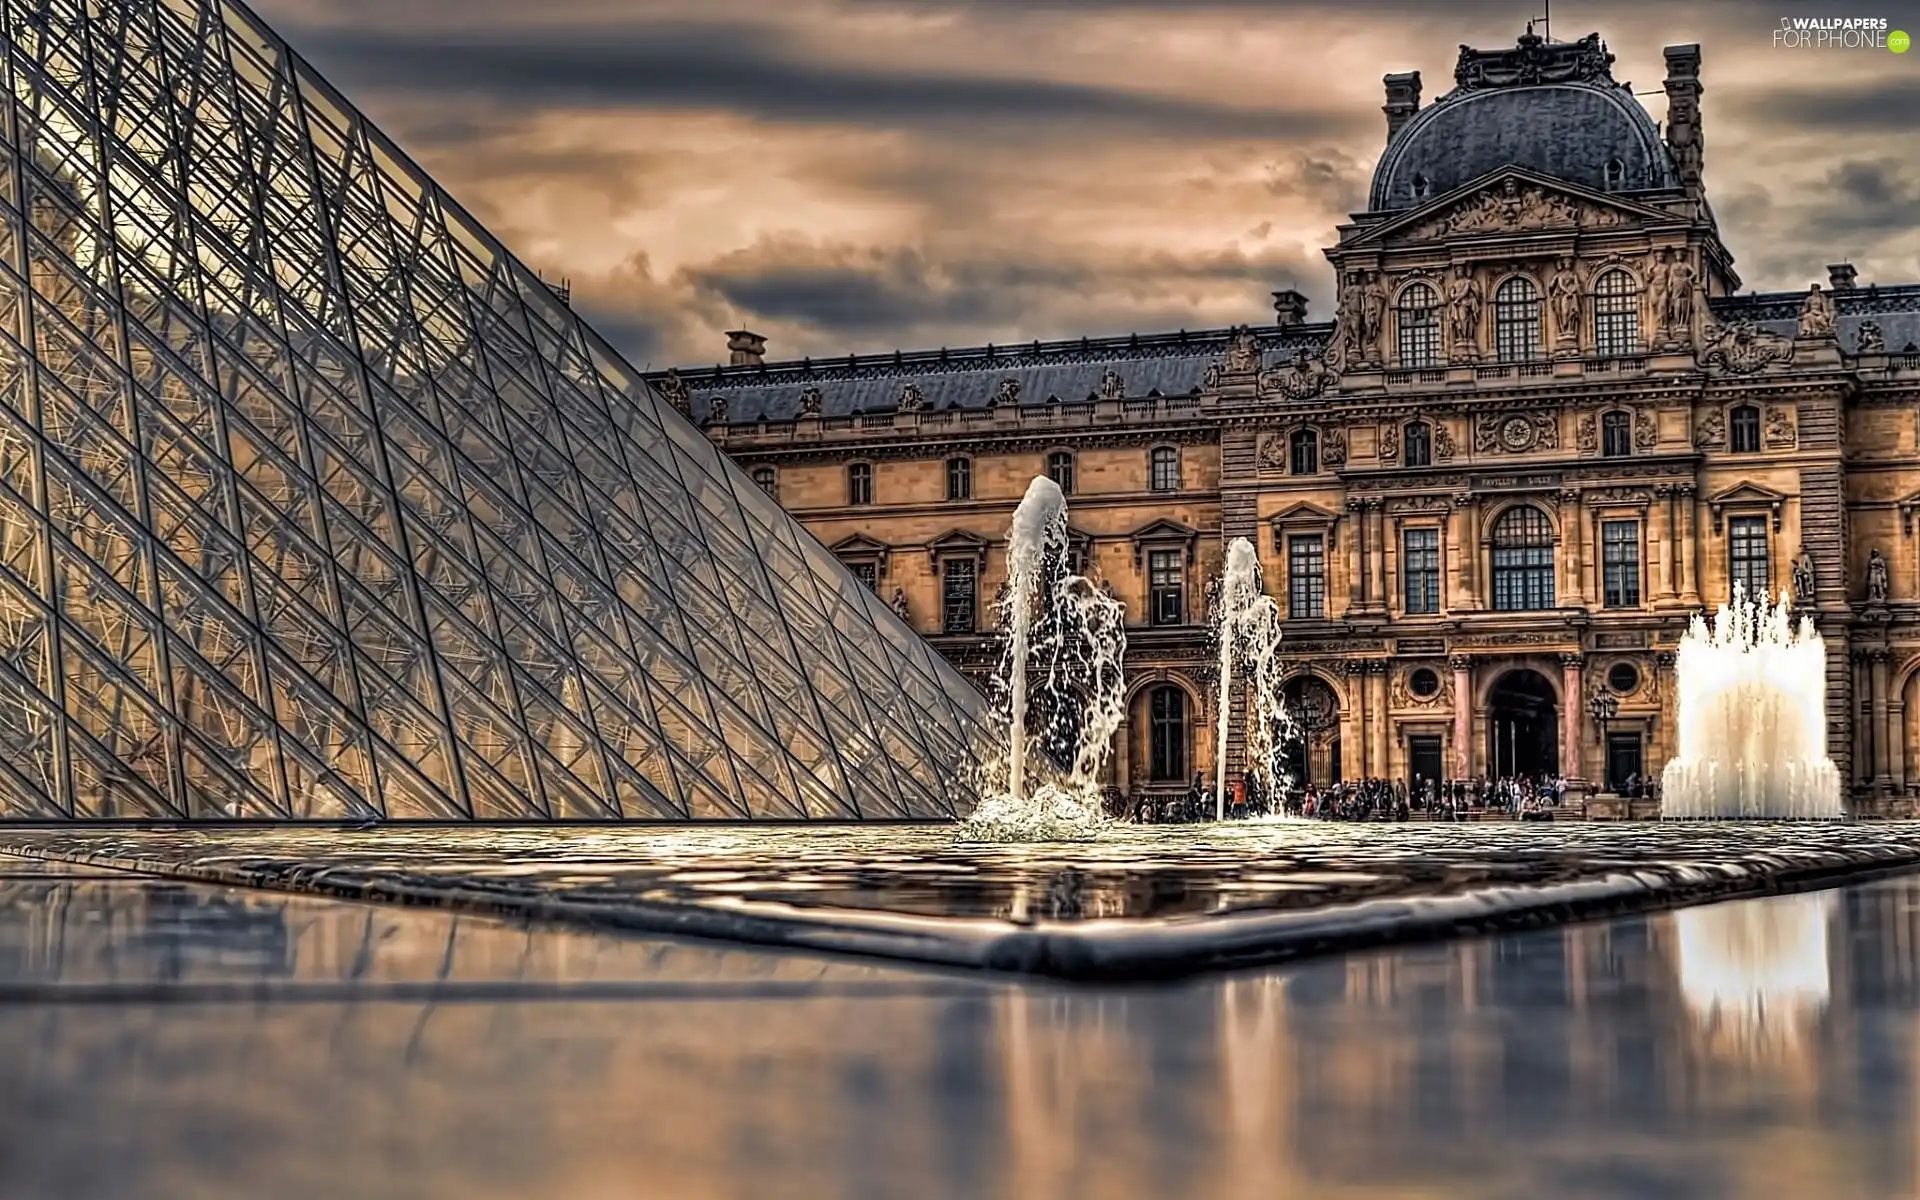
[[1840, 276], [1684, 139], [745, 348], [1289, 308], [1403, 99]]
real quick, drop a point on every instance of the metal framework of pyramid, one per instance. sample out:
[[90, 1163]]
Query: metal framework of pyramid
[[316, 504]]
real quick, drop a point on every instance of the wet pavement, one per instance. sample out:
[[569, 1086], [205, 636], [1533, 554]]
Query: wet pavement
[[170, 1039]]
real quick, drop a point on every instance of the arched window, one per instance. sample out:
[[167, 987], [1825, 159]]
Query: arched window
[[959, 479], [1616, 434], [1417, 319], [767, 480], [1516, 320], [1164, 473], [1167, 724], [1743, 429], [1616, 314], [1060, 470], [1522, 560], [1303, 456], [860, 483], [1417, 444]]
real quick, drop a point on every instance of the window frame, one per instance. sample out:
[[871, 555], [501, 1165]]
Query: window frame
[[1169, 733], [1420, 593], [1061, 468], [1736, 422], [1517, 329], [859, 484], [1622, 574], [1303, 444], [1740, 565], [960, 469], [1609, 426], [1416, 342], [948, 607], [767, 479], [1166, 587], [1306, 589], [1169, 458], [1424, 441], [1523, 573], [1616, 314]]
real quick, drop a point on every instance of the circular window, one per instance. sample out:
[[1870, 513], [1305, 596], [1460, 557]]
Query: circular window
[[1424, 683], [1624, 677]]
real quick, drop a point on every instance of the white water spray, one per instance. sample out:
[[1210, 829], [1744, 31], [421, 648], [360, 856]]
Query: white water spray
[[1065, 642], [1755, 971], [1248, 627], [1752, 718]]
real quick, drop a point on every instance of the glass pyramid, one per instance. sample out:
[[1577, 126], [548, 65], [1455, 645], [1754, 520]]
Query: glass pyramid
[[316, 504]]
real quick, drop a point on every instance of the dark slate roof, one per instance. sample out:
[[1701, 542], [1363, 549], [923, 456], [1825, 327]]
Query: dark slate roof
[[1069, 371], [1553, 109], [1896, 309]]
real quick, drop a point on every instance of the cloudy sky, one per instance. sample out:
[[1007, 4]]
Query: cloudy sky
[[847, 175]]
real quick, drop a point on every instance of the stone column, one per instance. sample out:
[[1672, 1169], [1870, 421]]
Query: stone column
[[1660, 520], [1359, 572], [1897, 744], [1123, 757], [1377, 710], [1356, 765], [1462, 715], [1882, 759], [1468, 565], [1689, 545], [1859, 701], [1377, 588], [1572, 706], [1573, 523]]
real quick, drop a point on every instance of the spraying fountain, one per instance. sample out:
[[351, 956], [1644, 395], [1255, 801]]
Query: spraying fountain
[[1065, 640], [1752, 718], [1248, 629]]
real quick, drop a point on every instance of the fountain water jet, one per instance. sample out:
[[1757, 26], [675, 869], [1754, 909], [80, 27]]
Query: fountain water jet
[[1752, 718], [1249, 631], [1065, 641]]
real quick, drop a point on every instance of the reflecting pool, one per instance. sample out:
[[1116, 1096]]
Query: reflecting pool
[[166, 1039]]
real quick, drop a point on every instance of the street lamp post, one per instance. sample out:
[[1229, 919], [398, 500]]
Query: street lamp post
[[1604, 706]]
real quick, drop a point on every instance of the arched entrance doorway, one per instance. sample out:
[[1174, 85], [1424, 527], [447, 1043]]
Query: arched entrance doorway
[[1523, 725], [1312, 754]]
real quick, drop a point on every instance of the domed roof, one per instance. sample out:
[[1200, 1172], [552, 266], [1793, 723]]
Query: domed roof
[[1552, 108]]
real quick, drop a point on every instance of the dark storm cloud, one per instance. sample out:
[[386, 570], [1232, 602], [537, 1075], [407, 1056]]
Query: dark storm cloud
[[1889, 104], [761, 73], [1870, 196]]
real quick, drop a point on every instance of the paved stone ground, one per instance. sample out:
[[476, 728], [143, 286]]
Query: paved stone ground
[[1138, 903]]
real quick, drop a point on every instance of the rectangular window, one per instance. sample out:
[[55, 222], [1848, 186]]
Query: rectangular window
[[1747, 555], [1306, 577], [868, 573], [1620, 563], [957, 595], [959, 479], [1420, 564], [1166, 589]]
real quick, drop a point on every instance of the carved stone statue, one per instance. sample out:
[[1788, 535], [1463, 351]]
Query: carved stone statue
[[717, 410], [1711, 432], [1333, 448], [810, 402], [1659, 282], [912, 399], [1303, 378], [1389, 442], [1563, 292], [900, 608], [1463, 309], [1008, 392], [1442, 442], [1816, 314], [1876, 577], [1872, 341], [1112, 387], [1587, 436], [678, 394], [1803, 580], [1743, 348], [1373, 315], [1676, 298], [1243, 352], [1780, 427]]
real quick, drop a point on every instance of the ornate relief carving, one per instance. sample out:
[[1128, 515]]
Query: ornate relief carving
[[1400, 693], [1742, 348], [1710, 431], [1419, 504], [810, 401], [1646, 431], [1618, 495], [1872, 341], [1389, 442], [1516, 433], [1008, 392], [1532, 60], [1509, 205], [1303, 378], [1333, 448], [677, 392], [1243, 353], [1781, 430], [1443, 447], [912, 399], [1817, 315], [1587, 435], [1273, 452]]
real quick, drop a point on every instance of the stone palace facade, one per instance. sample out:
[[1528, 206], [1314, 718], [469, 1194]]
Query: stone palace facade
[[1544, 428]]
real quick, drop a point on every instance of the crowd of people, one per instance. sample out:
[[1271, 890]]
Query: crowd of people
[[1519, 797]]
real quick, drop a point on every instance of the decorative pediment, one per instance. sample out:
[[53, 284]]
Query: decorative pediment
[[1161, 534], [1750, 496], [1302, 515], [957, 543], [1510, 200], [859, 545]]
